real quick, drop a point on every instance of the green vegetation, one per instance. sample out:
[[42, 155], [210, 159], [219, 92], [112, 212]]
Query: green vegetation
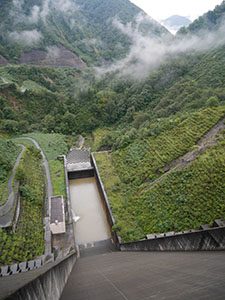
[[87, 31], [28, 240], [58, 177], [210, 21], [129, 171], [8, 154], [119, 195], [53, 146], [160, 143], [145, 125], [187, 198]]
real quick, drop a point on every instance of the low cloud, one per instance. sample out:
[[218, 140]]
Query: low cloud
[[26, 37], [53, 52], [66, 6], [34, 15], [41, 12], [147, 53]]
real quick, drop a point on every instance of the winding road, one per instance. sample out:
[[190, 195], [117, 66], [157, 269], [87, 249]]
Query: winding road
[[7, 211]]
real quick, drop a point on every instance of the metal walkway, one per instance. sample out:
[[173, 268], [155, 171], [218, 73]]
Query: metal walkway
[[148, 275]]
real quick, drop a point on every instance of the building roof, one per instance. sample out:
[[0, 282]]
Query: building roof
[[57, 209], [78, 159]]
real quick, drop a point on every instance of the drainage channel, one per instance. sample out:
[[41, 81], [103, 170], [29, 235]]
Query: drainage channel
[[91, 223]]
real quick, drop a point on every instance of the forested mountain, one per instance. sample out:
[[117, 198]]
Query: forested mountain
[[210, 21], [69, 33]]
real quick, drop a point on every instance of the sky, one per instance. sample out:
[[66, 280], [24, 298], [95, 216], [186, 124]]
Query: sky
[[162, 9]]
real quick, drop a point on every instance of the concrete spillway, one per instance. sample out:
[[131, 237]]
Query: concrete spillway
[[87, 204], [144, 276]]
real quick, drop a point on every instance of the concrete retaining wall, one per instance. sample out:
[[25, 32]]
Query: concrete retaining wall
[[106, 204], [49, 285], [81, 174], [199, 240]]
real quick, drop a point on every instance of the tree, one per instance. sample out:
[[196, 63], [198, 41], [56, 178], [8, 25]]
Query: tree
[[213, 101]]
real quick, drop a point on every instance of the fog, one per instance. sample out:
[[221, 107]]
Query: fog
[[38, 13], [147, 53], [26, 37]]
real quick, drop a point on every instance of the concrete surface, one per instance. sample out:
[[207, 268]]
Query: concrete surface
[[194, 240], [48, 286], [146, 275]]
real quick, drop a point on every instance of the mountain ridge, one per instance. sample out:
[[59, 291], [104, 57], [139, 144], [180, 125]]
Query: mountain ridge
[[82, 27]]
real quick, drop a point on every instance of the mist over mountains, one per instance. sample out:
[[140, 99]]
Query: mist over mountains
[[174, 23], [84, 27], [112, 35], [141, 96]]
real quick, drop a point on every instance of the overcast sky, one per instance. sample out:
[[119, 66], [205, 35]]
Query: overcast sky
[[161, 9]]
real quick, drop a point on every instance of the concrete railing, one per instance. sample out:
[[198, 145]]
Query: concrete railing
[[26, 266], [210, 239], [44, 273], [48, 286]]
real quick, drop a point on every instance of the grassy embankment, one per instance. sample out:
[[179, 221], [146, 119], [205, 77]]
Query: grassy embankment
[[182, 200], [8, 154], [54, 145], [28, 240]]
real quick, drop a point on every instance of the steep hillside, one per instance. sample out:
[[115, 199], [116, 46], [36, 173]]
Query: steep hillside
[[151, 190], [68, 33], [210, 21]]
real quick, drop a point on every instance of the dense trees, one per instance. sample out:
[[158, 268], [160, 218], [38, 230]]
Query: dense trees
[[88, 31]]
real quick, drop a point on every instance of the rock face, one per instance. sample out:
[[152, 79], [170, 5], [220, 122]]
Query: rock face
[[54, 57], [3, 61]]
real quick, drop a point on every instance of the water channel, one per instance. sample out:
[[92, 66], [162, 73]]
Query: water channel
[[87, 204]]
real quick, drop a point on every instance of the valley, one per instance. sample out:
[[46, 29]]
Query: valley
[[105, 78]]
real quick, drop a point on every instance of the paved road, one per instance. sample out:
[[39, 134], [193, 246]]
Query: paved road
[[10, 182], [142, 276], [7, 211]]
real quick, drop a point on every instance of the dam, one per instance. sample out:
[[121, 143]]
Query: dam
[[163, 266], [91, 213]]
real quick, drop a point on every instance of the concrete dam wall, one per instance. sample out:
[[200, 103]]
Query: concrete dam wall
[[212, 239], [48, 286]]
